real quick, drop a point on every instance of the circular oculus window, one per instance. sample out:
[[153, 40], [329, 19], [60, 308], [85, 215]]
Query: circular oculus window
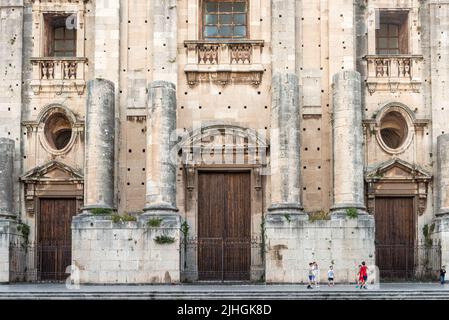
[[393, 130], [58, 131]]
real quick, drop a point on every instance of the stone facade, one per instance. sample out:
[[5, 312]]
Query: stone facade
[[331, 107]]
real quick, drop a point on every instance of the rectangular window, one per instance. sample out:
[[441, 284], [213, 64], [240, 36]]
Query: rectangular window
[[392, 33], [60, 36], [225, 19]]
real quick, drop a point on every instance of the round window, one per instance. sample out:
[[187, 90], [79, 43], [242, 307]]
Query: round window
[[58, 131], [393, 130]]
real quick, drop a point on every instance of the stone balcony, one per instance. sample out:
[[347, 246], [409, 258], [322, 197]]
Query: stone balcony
[[223, 62], [58, 75], [394, 73]]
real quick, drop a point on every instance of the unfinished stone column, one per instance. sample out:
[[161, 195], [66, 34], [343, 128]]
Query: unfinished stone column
[[442, 177], [348, 184], [99, 158], [6, 178], [285, 146], [161, 168]]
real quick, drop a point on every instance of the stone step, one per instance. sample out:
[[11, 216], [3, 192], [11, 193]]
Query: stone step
[[236, 295]]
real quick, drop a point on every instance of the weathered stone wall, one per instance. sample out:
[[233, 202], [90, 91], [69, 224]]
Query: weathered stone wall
[[124, 252], [293, 244], [441, 235]]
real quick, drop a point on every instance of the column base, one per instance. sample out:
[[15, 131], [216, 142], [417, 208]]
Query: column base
[[278, 212], [166, 213], [346, 210], [8, 217], [160, 209]]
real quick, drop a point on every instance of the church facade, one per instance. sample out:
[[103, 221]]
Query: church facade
[[175, 141]]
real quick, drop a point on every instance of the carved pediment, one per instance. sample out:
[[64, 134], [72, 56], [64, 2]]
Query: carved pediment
[[397, 169], [223, 144], [53, 171]]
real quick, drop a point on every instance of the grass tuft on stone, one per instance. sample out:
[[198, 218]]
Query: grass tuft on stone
[[154, 222], [101, 211], [164, 239]]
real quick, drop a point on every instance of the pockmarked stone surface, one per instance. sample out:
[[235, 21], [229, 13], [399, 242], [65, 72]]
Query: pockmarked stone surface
[[326, 122]]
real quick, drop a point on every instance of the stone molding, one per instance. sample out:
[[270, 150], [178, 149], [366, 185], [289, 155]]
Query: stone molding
[[398, 171]]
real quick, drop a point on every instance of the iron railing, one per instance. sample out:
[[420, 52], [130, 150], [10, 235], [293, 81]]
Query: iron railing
[[222, 259], [405, 262], [39, 262]]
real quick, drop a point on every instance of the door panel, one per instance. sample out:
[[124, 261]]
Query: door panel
[[54, 237], [395, 236], [224, 226]]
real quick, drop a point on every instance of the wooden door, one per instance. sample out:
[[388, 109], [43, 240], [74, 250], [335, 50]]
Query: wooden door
[[224, 226], [54, 248], [395, 236]]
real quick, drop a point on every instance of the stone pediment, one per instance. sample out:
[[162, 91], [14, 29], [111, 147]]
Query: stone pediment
[[52, 171], [397, 169]]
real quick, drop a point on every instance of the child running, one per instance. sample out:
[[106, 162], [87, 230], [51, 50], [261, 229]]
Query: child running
[[363, 275]]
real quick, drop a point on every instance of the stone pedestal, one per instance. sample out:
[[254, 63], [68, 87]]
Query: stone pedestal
[[99, 158], [343, 243], [285, 147], [441, 230], [348, 181], [104, 252], [8, 231], [441, 235], [161, 152]]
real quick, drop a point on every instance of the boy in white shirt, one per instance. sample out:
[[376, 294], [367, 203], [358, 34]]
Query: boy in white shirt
[[331, 276]]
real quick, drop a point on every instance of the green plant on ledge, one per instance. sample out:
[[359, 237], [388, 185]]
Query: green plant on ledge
[[352, 213], [101, 211], [164, 239], [116, 218], [319, 216], [154, 222], [287, 217]]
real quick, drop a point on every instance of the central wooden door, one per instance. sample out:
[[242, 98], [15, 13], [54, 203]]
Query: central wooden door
[[54, 249], [395, 236], [224, 226]]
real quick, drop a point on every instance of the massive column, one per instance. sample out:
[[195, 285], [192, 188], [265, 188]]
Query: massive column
[[285, 146], [161, 112], [161, 166], [442, 176], [285, 112], [6, 178], [348, 183], [439, 85], [441, 230], [99, 152]]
